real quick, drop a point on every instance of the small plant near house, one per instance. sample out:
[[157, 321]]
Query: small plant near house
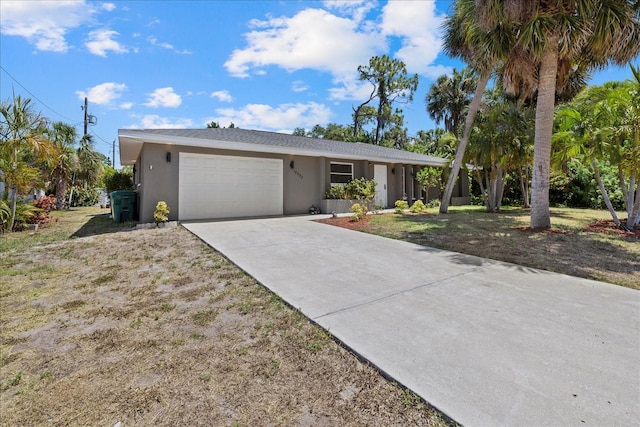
[[401, 205], [161, 214], [418, 206], [435, 203], [359, 212]]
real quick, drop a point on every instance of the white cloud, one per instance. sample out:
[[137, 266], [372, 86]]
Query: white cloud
[[103, 94], [350, 90], [299, 86], [154, 41], [126, 105], [355, 8], [101, 41], [153, 121], [44, 24], [164, 97], [418, 26], [285, 116], [222, 95], [313, 38], [339, 38], [109, 7]]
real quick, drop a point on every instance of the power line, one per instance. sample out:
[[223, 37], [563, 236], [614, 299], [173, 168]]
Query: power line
[[54, 111], [100, 138], [35, 97]]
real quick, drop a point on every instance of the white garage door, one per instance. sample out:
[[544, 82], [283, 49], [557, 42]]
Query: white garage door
[[228, 187]]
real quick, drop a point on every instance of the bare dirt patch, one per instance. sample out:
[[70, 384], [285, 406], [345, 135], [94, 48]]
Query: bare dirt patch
[[152, 327]]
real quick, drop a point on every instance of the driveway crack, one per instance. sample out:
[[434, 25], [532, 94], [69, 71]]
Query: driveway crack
[[393, 294]]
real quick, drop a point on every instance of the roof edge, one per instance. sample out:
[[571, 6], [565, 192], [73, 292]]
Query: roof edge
[[137, 138]]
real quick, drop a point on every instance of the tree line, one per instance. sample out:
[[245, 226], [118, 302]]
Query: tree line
[[38, 155], [539, 55]]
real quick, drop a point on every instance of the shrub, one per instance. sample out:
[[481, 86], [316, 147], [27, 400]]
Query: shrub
[[418, 206], [5, 214], [161, 213], [435, 203], [41, 213], [335, 192], [119, 181], [85, 197], [360, 189], [25, 214], [401, 205], [46, 203], [359, 212]]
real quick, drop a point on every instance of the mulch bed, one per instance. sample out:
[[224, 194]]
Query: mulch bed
[[347, 222], [608, 226]]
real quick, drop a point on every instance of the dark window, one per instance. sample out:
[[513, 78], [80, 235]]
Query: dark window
[[341, 173]]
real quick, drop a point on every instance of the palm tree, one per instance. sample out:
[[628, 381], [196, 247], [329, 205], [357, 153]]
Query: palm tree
[[22, 142], [449, 97], [484, 51], [89, 166], [498, 144], [602, 125], [625, 104], [63, 164], [558, 37], [579, 136]]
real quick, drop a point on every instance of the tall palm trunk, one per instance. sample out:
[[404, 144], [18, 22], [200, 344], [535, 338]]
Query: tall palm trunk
[[61, 192], [605, 194], [474, 106], [540, 215], [524, 187], [14, 191], [635, 215]]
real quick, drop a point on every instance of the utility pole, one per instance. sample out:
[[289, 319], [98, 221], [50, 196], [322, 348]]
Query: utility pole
[[86, 115], [113, 157]]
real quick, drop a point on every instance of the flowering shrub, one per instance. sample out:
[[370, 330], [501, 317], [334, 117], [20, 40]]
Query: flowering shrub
[[46, 203], [42, 207]]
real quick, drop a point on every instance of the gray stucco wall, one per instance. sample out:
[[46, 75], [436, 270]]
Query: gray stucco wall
[[304, 185], [158, 178]]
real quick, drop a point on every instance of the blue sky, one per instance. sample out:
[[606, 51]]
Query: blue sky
[[269, 65]]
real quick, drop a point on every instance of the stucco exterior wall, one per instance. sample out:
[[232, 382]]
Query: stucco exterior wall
[[158, 178], [304, 184]]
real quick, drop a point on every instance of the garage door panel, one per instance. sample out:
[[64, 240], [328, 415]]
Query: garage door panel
[[212, 186]]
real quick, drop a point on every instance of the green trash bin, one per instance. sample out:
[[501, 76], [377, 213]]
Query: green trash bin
[[123, 205]]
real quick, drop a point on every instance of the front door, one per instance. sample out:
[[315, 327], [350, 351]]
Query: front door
[[380, 177]]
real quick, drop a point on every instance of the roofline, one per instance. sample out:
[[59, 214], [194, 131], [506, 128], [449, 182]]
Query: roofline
[[138, 137]]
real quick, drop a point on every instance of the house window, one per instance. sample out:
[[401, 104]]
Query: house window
[[341, 173]]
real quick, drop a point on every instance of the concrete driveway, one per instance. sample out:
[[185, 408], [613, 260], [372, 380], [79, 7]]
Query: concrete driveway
[[487, 343]]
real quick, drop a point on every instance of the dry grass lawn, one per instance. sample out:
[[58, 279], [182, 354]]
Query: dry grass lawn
[[573, 246], [103, 324]]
